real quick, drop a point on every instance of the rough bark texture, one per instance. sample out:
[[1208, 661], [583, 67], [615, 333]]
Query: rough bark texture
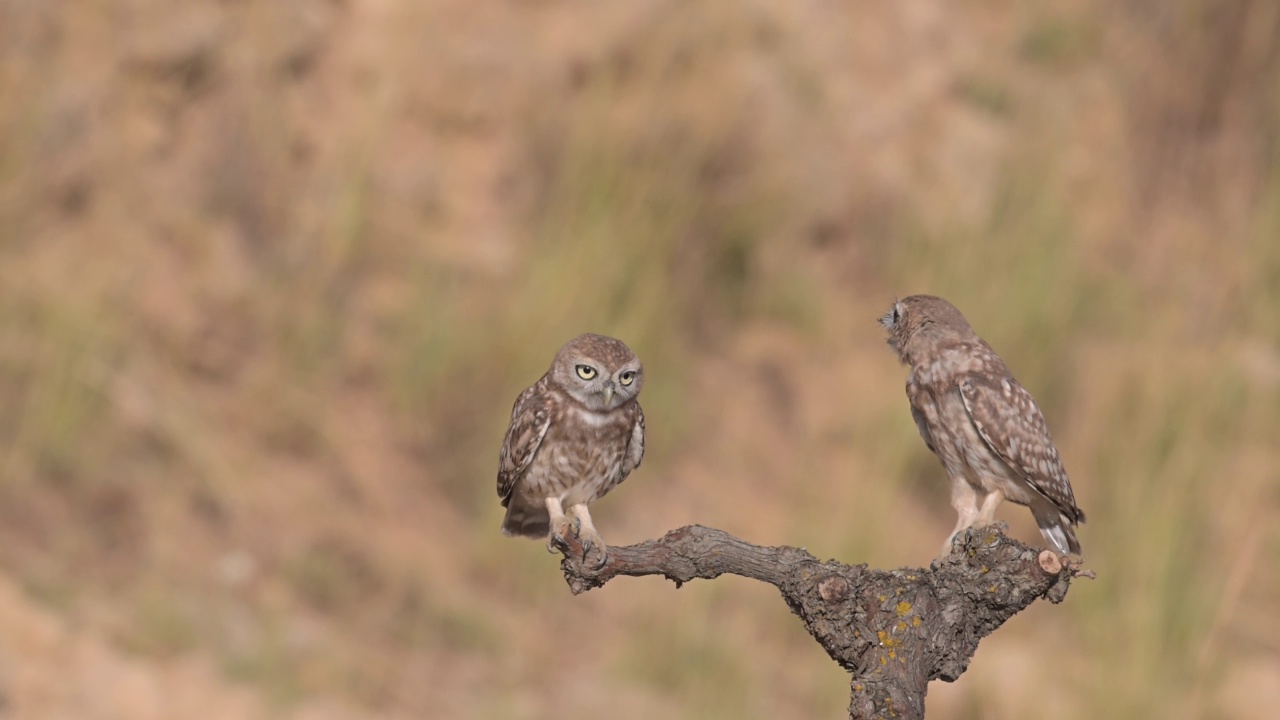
[[893, 630]]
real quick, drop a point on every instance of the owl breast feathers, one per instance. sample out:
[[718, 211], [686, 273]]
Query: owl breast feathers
[[983, 425]]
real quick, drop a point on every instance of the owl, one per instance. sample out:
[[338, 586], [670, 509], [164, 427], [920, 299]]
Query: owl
[[982, 424], [574, 435]]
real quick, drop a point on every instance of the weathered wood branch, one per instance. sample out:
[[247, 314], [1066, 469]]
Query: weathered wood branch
[[893, 630]]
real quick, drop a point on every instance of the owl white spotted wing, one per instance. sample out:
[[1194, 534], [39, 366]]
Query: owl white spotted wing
[[1011, 424], [530, 418]]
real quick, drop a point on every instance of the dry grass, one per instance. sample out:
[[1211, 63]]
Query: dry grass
[[270, 278]]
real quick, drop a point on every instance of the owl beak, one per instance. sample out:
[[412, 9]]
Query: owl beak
[[608, 393]]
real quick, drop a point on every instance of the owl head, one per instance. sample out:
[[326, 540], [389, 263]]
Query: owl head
[[598, 371], [921, 321]]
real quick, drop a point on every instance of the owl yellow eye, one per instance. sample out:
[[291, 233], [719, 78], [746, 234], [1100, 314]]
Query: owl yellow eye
[[586, 372], [627, 377]]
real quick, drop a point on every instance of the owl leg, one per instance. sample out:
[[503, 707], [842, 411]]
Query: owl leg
[[588, 535], [559, 524], [964, 498], [987, 510]]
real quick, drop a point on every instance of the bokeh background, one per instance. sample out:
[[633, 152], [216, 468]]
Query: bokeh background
[[272, 273]]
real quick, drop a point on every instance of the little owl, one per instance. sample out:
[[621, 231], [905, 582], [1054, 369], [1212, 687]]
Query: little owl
[[574, 435], [980, 422]]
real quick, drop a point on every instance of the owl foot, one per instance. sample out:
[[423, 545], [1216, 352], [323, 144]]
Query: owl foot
[[586, 535], [585, 531], [592, 542], [556, 542]]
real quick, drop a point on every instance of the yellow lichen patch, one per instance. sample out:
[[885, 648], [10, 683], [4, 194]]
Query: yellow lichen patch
[[903, 608], [886, 639], [915, 621], [985, 569], [900, 627], [882, 598]]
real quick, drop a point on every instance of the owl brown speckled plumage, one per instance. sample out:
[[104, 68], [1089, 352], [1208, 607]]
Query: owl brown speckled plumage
[[981, 423], [574, 435]]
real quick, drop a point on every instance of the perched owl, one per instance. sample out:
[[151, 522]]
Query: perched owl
[[574, 435], [984, 426]]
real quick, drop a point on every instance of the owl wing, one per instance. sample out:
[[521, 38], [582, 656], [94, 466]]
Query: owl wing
[[914, 393], [923, 426], [1011, 424], [530, 418], [635, 446]]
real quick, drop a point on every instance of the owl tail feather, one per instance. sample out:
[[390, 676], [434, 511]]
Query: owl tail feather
[[526, 520], [1056, 528]]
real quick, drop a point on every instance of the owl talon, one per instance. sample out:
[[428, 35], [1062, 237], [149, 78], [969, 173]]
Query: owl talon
[[588, 545], [593, 543], [556, 542], [604, 560]]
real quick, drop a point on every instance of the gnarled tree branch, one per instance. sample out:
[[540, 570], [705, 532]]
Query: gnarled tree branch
[[893, 630]]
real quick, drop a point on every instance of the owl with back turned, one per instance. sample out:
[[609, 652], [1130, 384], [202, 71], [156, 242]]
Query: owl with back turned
[[983, 425], [574, 435]]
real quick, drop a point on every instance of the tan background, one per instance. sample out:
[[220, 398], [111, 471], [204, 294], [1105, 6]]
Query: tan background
[[272, 273]]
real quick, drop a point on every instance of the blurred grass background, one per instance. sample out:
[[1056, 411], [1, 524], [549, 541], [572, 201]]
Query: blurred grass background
[[271, 275]]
